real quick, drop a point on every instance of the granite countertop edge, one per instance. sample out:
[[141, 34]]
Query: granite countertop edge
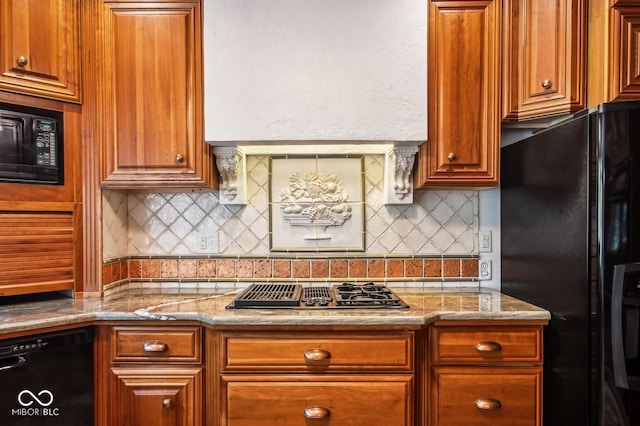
[[425, 307]]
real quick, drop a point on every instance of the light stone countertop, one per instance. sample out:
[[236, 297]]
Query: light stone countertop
[[137, 304]]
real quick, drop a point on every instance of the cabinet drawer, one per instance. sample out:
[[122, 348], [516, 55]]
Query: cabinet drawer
[[486, 344], [340, 400], [175, 344], [486, 396], [391, 351]]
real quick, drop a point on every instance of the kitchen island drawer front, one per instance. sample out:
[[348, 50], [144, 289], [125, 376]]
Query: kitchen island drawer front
[[156, 344], [388, 351], [486, 344], [486, 396], [300, 400]]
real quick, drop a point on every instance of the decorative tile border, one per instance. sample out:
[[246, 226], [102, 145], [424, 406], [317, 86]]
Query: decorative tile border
[[309, 269]]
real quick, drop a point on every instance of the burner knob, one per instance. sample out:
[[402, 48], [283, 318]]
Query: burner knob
[[317, 355]]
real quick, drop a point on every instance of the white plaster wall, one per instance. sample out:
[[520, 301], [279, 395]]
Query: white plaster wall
[[315, 70]]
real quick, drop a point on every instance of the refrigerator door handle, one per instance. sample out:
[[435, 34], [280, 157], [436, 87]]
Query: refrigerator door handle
[[617, 332]]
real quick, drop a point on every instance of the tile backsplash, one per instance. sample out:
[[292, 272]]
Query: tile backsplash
[[194, 226]]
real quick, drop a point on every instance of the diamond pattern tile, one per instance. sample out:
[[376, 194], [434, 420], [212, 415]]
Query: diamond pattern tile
[[437, 223]]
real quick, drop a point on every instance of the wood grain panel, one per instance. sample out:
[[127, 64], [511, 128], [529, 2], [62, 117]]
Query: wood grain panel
[[627, 24], [458, 344], [464, 95], [45, 33], [150, 97], [182, 344], [36, 252], [456, 391], [543, 58], [391, 351], [377, 400]]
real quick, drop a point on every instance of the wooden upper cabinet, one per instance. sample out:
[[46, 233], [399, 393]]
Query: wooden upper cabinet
[[152, 101], [39, 48], [626, 29], [614, 51], [463, 70], [544, 58]]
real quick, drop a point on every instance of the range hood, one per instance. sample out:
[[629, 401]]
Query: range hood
[[330, 76]]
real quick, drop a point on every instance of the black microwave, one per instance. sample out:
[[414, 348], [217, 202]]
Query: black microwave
[[31, 145]]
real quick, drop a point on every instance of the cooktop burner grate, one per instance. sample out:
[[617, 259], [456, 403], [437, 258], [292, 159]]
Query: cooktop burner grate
[[269, 295], [346, 295], [317, 296]]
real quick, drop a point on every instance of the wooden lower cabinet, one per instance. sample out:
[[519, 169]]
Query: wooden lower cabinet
[[158, 396], [485, 396], [450, 373], [484, 373], [149, 374], [312, 376], [350, 400]]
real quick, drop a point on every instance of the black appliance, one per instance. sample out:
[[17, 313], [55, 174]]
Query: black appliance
[[30, 145], [337, 296], [47, 379], [570, 235]]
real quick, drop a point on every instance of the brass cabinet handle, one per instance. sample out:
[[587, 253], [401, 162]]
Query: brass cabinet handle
[[22, 61], [179, 158], [317, 355], [451, 156], [546, 84], [488, 346], [155, 346], [317, 412], [166, 403], [488, 404]]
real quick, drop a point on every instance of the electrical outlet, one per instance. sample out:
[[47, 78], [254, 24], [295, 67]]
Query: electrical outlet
[[484, 239], [207, 243], [484, 269]]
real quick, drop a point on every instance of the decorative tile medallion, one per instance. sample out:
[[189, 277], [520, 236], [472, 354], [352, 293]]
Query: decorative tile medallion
[[316, 204]]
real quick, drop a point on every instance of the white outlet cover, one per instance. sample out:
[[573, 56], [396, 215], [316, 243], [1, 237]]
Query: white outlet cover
[[484, 269]]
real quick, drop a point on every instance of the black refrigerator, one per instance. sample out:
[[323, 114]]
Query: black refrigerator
[[570, 243]]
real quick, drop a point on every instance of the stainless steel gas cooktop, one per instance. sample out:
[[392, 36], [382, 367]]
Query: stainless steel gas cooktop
[[297, 296]]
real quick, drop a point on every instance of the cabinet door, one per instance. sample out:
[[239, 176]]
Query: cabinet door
[[151, 397], [153, 96], [486, 396], [544, 58], [464, 89], [626, 41], [39, 48]]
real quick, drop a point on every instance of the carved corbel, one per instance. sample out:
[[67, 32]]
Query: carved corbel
[[231, 164], [398, 174]]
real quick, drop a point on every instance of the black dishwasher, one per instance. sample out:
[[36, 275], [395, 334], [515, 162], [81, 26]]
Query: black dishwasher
[[47, 379]]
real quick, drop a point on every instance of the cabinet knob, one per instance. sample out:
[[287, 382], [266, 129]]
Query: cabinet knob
[[488, 404], [488, 346], [317, 355], [451, 156], [166, 403], [546, 84], [179, 158], [155, 346], [317, 412], [22, 61]]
